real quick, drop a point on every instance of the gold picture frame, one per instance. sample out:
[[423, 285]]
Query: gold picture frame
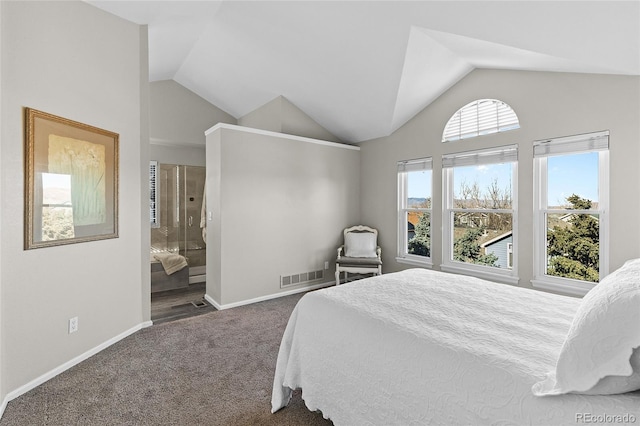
[[71, 181]]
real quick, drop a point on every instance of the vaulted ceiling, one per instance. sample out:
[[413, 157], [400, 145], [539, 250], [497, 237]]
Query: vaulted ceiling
[[362, 69]]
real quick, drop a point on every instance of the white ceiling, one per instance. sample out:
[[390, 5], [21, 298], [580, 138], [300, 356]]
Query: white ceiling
[[362, 69]]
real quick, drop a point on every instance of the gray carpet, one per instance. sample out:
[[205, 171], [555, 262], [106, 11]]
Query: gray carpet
[[213, 369]]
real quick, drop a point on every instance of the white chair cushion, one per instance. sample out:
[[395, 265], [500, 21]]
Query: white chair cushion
[[360, 244]]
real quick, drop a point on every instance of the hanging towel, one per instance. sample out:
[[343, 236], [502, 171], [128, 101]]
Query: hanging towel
[[203, 214], [171, 262]]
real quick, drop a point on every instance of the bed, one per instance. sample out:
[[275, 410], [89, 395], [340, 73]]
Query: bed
[[424, 347]]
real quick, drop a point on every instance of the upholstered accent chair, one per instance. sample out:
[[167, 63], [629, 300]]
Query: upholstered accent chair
[[360, 253]]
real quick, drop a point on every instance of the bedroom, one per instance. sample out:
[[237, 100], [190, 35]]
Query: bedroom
[[104, 288]]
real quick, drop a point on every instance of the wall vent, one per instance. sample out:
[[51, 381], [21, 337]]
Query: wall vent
[[301, 278]]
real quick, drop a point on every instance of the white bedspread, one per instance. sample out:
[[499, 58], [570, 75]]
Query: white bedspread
[[424, 347]]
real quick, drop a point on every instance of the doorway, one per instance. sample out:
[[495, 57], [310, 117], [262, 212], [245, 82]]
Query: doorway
[[177, 228]]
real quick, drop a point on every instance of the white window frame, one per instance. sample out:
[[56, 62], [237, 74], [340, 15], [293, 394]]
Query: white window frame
[[510, 257], [497, 155], [591, 142], [404, 167]]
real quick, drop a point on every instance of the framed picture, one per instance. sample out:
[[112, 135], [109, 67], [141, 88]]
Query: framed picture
[[71, 181]]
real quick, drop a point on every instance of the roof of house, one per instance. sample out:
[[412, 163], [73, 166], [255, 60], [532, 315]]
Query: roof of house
[[496, 239], [413, 218]]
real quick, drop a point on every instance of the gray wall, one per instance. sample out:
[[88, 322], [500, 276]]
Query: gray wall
[[187, 155], [76, 61], [180, 117], [178, 120], [548, 105], [280, 115], [267, 117], [145, 229], [278, 205]]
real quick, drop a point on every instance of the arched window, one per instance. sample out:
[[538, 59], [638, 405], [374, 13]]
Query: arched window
[[480, 117]]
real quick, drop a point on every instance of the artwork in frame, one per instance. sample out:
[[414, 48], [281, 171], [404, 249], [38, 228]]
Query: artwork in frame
[[71, 181]]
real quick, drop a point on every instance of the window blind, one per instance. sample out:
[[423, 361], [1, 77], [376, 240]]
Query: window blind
[[598, 141], [504, 154], [153, 188], [480, 117], [415, 165]]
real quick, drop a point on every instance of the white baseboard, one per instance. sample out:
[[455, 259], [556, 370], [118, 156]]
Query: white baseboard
[[5, 401], [220, 307], [67, 365]]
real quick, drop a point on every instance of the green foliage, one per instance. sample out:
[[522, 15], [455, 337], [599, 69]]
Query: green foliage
[[574, 250], [421, 242], [466, 249]]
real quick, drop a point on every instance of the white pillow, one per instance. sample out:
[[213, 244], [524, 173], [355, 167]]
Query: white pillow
[[596, 357], [620, 384], [360, 244]]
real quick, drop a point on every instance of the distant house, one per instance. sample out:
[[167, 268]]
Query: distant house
[[567, 217], [502, 247], [473, 219]]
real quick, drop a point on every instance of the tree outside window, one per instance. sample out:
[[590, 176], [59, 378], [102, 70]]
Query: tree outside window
[[480, 211], [414, 210], [474, 222], [571, 188], [573, 243]]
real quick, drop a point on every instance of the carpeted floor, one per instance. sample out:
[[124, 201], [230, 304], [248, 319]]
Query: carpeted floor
[[213, 369]]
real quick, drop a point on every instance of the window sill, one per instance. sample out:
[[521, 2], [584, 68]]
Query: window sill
[[415, 262], [571, 287], [486, 275]]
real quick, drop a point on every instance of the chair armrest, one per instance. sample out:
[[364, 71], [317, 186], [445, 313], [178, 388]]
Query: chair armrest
[[340, 250], [379, 252]]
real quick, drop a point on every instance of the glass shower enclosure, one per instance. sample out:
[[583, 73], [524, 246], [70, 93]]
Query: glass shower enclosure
[[177, 203]]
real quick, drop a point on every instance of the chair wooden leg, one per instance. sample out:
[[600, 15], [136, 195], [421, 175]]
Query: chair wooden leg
[[337, 276]]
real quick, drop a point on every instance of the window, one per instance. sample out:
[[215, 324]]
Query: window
[[481, 117], [414, 212], [479, 214], [153, 194], [571, 201], [57, 209]]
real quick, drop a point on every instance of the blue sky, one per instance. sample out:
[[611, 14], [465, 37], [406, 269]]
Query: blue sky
[[484, 175], [572, 174], [419, 184], [567, 174]]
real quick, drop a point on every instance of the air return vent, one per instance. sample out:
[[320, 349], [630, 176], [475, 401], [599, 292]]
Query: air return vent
[[301, 278]]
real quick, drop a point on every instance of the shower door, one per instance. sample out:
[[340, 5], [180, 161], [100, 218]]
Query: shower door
[[192, 244]]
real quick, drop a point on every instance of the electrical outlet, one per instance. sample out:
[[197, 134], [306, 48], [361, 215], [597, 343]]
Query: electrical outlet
[[73, 325], [326, 264]]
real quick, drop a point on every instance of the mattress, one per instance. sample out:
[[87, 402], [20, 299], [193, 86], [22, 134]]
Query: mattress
[[425, 347]]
